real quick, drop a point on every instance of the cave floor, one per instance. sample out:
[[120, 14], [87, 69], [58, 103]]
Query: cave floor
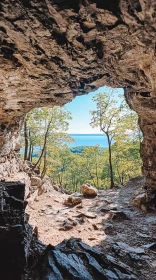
[[108, 222]]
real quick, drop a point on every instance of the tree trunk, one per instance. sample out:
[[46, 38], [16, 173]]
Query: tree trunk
[[110, 162], [30, 147], [26, 140], [97, 178], [45, 164], [44, 145]]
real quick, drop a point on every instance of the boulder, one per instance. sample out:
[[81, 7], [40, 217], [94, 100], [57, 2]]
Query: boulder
[[89, 190]]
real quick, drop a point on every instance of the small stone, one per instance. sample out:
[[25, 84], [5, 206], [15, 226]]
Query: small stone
[[67, 227], [87, 214], [80, 220], [72, 201], [91, 238], [72, 221], [35, 181], [61, 228], [56, 200], [36, 231], [68, 224], [118, 216], [140, 199], [95, 226], [56, 187], [127, 248], [76, 194], [107, 209], [151, 246], [79, 206], [109, 229], [142, 235]]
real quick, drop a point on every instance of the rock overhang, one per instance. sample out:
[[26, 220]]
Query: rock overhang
[[54, 50]]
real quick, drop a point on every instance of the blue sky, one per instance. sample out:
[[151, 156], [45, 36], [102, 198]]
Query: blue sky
[[80, 108]]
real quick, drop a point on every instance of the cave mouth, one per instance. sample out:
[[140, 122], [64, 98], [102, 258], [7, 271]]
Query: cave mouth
[[65, 128], [61, 178]]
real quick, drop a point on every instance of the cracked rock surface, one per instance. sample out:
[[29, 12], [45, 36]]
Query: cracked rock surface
[[54, 50]]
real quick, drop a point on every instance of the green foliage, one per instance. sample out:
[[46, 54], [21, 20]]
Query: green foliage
[[38, 120], [47, 128], [107, 113]]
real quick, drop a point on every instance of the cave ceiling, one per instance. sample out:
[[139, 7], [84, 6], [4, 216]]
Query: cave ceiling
[[54, 50]]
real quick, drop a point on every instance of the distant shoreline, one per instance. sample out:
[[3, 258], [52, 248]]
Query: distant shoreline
[[86, 134], [88, 140], [82, 141]]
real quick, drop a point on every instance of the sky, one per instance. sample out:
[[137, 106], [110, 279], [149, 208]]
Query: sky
[[80, 108]]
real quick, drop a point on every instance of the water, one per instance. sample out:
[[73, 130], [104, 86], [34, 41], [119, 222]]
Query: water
[[89, 140], [80, 140]]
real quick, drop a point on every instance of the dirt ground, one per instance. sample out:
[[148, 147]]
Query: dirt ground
[[108, 221]]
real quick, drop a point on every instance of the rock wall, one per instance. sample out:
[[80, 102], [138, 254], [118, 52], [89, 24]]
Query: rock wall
[[145, 105], [15, 234], [54, 50]]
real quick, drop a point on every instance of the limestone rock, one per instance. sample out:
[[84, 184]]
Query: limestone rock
[[89, 190]]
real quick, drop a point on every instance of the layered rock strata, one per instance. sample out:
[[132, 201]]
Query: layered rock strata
[[54, 50]]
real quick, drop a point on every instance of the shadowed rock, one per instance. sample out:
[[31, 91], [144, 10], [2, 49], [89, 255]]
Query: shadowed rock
[[72, 259]]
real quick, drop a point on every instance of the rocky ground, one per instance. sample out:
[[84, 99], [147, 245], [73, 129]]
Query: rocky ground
[[109, 222]]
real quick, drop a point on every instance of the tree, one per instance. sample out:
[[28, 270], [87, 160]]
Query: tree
[[126, 159], [45, 127], [92, 164], [106, 117]]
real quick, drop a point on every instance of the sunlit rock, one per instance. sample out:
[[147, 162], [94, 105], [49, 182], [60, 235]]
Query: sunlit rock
[[89, 190]]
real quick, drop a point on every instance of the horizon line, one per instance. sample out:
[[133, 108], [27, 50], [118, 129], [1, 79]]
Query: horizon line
[[85, 133]]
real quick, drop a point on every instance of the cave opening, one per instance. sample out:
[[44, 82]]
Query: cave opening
[[75, 154]]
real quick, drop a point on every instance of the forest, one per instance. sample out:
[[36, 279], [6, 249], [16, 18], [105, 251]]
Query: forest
[[46, 139]]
